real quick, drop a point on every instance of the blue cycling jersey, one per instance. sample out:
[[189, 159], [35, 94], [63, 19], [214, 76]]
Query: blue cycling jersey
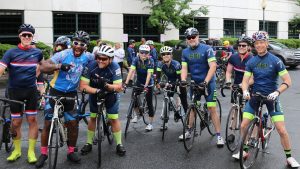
[[142, 69], [197, 60], [265, 70], [239, 66], [172, 71], [68, 81], [21, 64], [131, 54], [154, 56]]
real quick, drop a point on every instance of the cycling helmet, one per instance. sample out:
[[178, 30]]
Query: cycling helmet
[[105, 50], [149, 42], [203, 42], [131, 41], [245, 39], [260, 35], [210, 42], [82, 36], [166, 49], [63, 40], [226, 43], [144, 48], [26, 28], [191, 31]]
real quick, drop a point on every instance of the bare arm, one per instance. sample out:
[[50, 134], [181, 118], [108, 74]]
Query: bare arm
[[84, 85], [2, 69], [286, 79], [131, 72], [211, 71], [184, 72], [48, 66], [245, 82], [149, 74], [229, 72]]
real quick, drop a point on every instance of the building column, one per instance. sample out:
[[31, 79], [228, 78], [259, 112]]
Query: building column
[[215, 28], [282, 32], [112, 27], [252, 27]]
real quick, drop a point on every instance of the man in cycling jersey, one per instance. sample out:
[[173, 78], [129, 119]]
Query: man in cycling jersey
[[21, 63], [265, 69], [172, 69], [200, 61], [67, 66], [144, 67], [131, 52], [153, 52], [99, 76], [229, 49]]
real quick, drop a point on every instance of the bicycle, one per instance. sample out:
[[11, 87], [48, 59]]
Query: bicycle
[[234, 118], [190, 122], [221, 72], [6, 133], [58, 131], [169, 105], [140, 105], [257, 133], [81, 106]]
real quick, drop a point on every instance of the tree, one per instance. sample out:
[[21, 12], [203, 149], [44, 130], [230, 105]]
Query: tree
[[296, 20], [177, 12]]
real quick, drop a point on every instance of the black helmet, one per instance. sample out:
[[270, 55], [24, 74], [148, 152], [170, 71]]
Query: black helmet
[[82, 36], [131, 41], [245, 39], [210, 42], [63, 40], [191, 31], [27, 28]]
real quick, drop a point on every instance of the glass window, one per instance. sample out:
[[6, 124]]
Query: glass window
[[294, 31], [234, 28], [271, 28], [201, 24], [10, 22]]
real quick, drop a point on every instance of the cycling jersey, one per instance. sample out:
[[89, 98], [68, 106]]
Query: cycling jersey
[[68, 81], [21, 64], [239, 66], [142, 69], [172, 72], [197, 61], [230, 50], [265, 70], [154, 56], [131, 54]]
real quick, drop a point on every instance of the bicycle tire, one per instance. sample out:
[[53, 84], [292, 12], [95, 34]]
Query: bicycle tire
[[82, 111], [1, 131], [54, 144], [210, 124], [253, 144], [129, 117], [270, 126], [188, 142], [99, 139], [8, 138], [107, 130], [154, 102], [165, 117], [145, 112], [233, 134]]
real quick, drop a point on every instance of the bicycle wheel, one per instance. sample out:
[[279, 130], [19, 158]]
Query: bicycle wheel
[[53, 145], [233, 129], [1, 131], [209, 124], [129, 117], [82, 111], [269, 127], [107, 129], [145, 112], [251, 141], [7, 137], [99, 138], [220, 74], [165, 117], [154, 102], [190, 126]]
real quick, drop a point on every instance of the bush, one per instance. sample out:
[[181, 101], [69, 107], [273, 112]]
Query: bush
[[93, 43], [46, 50], [172, 43], [291, 43], [4, 48]]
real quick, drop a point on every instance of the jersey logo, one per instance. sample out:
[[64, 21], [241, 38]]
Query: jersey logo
[[118, 72], [195, 56], [261, 65]]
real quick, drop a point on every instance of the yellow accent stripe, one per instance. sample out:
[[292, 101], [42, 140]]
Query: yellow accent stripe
[[112, 116], [150, 70], [278, 118], [247, 73], [184, 63], [211, 104], [178, 72], [132, 67], [281, 73], [158, 69], [247, 115], [93, 115], [117, 81], [85, 79], [52, 82], [211, 59]]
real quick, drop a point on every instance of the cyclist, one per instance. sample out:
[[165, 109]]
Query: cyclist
[[200, 61], [144, 66], [119, 56], [237, 62], [21, 63], [131, 52], [61, 44], [265, 69], [93, 81], [67, 66], [229, 49], [153, 52], [172, 69]]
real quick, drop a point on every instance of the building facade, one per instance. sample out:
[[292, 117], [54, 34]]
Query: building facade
[[118, 20]]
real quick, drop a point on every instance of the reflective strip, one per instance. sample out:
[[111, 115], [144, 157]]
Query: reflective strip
[[85, 79], [178, 72], [150, 70], [247, 73], [117, 81], [93, 115], [16, 115], [281, 73], [132, 67], [158, 69], [277, 118], [247, 115], [112, 116], [211, 104], [211, 59], [184, 63], [33, 112]]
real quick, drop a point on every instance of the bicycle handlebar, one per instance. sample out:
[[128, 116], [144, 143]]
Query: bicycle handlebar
[[56, 98], [11, 101]]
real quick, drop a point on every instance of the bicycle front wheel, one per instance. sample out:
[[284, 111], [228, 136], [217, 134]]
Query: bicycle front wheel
[[1, 131], [53, 145], [233, 129], [99, 138], [108, 130], [7, 137], [190, 129], [165, 117], [209, 123], [129, 117], [82, 111]]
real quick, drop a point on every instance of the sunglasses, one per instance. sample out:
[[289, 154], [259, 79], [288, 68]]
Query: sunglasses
[[28, 35], [242, 46], [75, 43], [168, 53], [191, 37], [144, 52], [101, 58]]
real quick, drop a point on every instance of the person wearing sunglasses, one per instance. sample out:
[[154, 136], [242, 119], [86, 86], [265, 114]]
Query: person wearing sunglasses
[[200, 61], [61, 43], [237, 62], [172, 69], [103, 75], [67, 66], [144, 67], [131, 52], [22, 63]]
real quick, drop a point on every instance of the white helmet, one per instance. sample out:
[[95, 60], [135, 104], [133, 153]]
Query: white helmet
[[105, 50], [149, 42], [166, 49], [144, 48]]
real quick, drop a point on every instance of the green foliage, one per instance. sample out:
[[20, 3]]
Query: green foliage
[[171, 43], [177, 12], [46, 50], [4, 48], [93, 43], [291, 43]]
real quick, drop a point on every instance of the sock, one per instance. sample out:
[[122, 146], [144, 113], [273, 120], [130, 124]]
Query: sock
[[17, 144], [288, 153], [44, 150], [90, 136], [218, 134], [71, 149], [31, 146], [118, 137]]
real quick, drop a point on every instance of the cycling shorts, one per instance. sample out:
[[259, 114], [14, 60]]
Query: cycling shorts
[[212, 94]]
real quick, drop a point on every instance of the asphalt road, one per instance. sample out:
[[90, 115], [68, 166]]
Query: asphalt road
[[145, 150]]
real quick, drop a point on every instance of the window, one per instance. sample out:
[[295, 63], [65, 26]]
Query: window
[[294, 31], [271, 28], [10, 22], [67, 23], [201, 24], [136, 27], [234, 28]]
